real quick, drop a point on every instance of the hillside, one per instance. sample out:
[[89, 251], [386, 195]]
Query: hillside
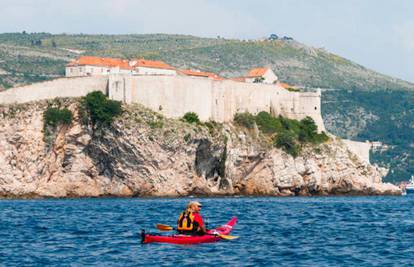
[[25, 58], [366, 104]]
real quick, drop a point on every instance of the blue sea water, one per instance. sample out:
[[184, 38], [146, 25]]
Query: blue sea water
[[308, 231]]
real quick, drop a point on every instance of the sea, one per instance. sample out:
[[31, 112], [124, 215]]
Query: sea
[[273, 231]]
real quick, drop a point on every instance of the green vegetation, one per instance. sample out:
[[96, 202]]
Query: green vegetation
[[245, 119], [100, 109], [386, 116], [52, 118], [191, 117], [267, 123], [156, 123], [286, 141], [43, 56], [363, 107], [289, 135], [291, 89], [213, 127], [55, 116], [259, 80]]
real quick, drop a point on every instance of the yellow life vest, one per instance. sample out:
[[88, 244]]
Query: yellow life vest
[[186, 221]]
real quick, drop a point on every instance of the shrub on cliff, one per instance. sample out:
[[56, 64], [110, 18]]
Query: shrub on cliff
[[245, 119], [287, 142], [52, 118], [290, 125], [267, 123], [288, 134], [55, 116], [100, 109], [308, 132], [191, 117]]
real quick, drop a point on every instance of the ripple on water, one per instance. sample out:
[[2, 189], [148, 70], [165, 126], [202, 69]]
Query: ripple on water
[[324, 231]]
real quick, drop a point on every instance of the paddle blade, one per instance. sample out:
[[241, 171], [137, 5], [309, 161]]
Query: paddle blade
[[164, 227], [228, 237]]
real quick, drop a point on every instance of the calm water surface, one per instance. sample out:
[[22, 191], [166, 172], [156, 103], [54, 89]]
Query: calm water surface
[[346, 231]]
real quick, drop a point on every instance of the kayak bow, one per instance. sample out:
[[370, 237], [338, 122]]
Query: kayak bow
[[210, 237]]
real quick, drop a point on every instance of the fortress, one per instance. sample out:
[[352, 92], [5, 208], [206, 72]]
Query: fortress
[[173, 92]]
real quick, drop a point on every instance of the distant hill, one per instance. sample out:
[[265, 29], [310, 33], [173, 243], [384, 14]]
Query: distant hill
[[26, 58], [364, 105]]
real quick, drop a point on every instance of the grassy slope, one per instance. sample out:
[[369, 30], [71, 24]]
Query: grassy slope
[[293, 62]]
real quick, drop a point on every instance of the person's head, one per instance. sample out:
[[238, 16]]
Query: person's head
[[194, 206]]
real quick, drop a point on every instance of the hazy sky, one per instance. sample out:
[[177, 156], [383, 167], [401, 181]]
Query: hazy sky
[[378, 34]]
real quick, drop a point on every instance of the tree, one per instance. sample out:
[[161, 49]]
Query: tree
[[55, 116], [191, 117], [245, 119], [286, 141], [101, 110], [259, 80]]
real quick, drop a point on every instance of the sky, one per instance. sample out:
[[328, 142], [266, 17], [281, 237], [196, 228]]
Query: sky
[[378, 34]]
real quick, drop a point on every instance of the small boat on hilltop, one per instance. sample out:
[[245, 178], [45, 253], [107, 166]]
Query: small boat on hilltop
[[409, 188]]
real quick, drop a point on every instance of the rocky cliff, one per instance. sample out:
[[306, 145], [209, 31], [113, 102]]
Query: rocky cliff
[[145, 154]]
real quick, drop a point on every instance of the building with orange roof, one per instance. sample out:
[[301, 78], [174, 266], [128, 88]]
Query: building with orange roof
[[261, 75], [151, 67], [93, 66], [203, 74]]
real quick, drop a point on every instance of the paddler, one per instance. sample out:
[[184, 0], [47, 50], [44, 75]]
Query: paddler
[[190, 221]]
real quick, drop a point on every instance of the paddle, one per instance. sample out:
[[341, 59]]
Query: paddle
[[164, 227]]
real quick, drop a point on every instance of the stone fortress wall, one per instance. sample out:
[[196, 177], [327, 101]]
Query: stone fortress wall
[[215, 100], [62, 87], [173, 96], [359, 148]]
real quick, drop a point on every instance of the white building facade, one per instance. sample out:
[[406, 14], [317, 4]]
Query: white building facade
[[261, 75]]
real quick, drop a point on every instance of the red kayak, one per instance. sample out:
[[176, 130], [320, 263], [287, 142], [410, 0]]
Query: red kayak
[[210, 237]]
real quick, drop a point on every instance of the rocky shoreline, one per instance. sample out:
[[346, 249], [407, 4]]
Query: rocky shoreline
[[146, 155]]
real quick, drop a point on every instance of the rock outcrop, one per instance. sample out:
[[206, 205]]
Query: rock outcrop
[[145, 154]]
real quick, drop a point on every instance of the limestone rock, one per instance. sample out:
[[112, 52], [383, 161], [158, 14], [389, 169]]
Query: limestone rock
[[136, 158]]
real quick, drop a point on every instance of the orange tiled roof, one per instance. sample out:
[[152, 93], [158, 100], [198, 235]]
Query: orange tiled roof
[[285, 85], [201, 74], [151, 64], [258, 72], [100, 61], [238, 79]]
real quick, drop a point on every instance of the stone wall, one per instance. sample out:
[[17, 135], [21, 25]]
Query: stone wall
[[173, 96], [359, 148], [63, 87], [213, 100]]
